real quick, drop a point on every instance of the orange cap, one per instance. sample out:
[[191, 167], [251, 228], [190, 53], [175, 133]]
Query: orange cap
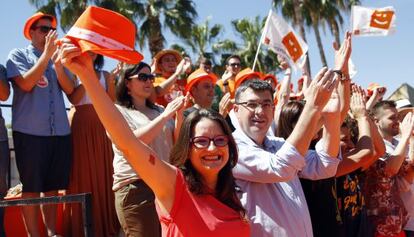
[[372, 86], [245, 74], [105, 32], [270, 76], [33, 19], [162, 53], [198, 75]]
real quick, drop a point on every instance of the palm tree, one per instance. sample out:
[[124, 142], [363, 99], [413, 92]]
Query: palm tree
[[313, 12], [204, 37], [177, 16], [205, 42], [250, 32], [332, 10]]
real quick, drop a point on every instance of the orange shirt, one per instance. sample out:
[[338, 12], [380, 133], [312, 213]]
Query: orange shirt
[[176, 90], [231, 86]]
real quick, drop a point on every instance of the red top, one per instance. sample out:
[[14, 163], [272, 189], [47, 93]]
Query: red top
[[200, 216]]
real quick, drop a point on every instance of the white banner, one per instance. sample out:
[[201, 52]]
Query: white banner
[[280, 37], [372, 22]]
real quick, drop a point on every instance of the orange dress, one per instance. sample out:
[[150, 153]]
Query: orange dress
[[92, 172]]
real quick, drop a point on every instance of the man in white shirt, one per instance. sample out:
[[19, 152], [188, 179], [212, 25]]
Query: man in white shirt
[[269, 168]]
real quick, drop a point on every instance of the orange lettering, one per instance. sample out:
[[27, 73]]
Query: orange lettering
[[381, 19], [292, 45]]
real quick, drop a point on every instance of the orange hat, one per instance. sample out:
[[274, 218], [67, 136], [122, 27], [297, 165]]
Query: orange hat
[[105, 32], [270, 76], [161, 54], [33, 19], [372, 87], [196, 76], [245, 74]]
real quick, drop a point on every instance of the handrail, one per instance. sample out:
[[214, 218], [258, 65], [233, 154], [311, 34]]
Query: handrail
[[84, 198]]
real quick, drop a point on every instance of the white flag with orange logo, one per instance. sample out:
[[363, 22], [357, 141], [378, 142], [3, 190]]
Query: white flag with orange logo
[[372, 22], [280, 37]]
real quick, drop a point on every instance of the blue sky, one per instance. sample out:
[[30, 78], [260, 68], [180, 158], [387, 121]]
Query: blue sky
[[385, 60]]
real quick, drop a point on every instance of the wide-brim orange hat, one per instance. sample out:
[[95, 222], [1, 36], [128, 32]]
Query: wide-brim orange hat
[[105, 32], [270, 76], [198, 75], [161, 54], [372, 86], [245, 74], [29, 23]]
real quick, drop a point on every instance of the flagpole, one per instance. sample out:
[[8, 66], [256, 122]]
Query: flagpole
[[261, 39]]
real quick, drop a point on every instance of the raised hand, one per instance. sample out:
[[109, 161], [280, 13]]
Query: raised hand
[[333, 107], [320, 89], [153, 65], [50, 44], [283, 64], [226, 75], [343, 53], [115, 72], [183, 66], [357, 104], [407, 125], [72, 58], [174, 106], [225, 104]]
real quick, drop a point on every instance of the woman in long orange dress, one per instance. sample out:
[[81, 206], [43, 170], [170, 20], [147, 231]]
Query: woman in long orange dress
[[92, 162]]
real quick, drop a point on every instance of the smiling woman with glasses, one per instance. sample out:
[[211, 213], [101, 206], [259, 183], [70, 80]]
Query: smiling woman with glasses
[[196, 193]]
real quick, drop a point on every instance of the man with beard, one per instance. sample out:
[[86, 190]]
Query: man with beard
[[383, 178]]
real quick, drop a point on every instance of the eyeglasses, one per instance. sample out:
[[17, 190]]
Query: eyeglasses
[[44, 29], [251, 105], [235, 64], [204, 142], [143, 77]]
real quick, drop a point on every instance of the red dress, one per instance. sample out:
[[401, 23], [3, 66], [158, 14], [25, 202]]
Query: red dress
[[200, 216]]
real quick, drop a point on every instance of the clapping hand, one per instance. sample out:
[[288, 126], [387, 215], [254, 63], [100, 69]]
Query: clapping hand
[[320, 89]]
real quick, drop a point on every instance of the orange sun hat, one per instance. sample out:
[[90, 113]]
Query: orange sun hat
[[29, 23], [161, 54], [198, 75], [372, 86], [105, 32], [245, 74]]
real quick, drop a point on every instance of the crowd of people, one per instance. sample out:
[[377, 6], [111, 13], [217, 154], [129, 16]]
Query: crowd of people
[[169, 149]]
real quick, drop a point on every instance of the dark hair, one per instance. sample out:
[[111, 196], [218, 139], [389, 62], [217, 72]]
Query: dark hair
[[43, 17], [352, 125], [233, 56], [206, 61], [122, 96], [226, 189], [381, 105], [256, 85], [288, 118], [99, 62]]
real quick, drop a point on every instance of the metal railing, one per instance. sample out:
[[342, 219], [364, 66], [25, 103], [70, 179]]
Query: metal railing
[[83, 198]]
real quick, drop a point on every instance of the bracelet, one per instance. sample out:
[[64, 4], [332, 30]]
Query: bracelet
[[341, 75]]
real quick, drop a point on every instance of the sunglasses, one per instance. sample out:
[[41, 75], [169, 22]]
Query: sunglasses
[[235, 64], [44, 29], [143, 77], [204, 142]]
